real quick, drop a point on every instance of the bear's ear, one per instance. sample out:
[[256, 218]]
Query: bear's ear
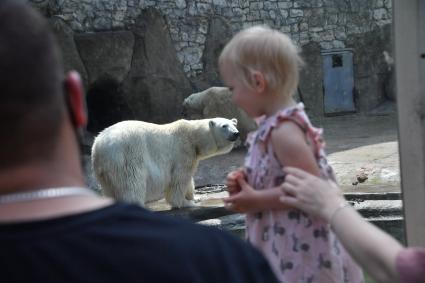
[[212, 123], [235, 121]]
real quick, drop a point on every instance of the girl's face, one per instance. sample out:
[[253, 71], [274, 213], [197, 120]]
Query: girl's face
[[247, 98]]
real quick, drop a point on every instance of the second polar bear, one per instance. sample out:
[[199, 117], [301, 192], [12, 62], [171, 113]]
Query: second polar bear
[[140, 162], [217, 102]]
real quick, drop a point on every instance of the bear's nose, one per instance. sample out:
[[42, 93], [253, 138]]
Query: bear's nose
[[234, 136]]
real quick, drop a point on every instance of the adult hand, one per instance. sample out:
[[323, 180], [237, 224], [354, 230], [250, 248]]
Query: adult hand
[[243, 201], [376, 253], [311, 194]]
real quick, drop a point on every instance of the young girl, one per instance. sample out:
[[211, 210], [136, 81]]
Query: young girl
[[260, 66]]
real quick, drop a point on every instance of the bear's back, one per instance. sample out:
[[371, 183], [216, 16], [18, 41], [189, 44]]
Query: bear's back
[[116, 142]]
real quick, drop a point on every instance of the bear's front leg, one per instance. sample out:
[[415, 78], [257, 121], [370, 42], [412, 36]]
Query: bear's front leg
[[190, 193], [178, 192]]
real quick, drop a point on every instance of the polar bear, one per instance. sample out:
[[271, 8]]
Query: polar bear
[[140, 162], [217, 102]]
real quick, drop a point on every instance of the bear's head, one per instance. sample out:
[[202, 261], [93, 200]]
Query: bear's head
[[225, 133]]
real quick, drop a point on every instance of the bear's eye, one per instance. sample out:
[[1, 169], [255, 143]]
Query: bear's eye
[[225, 126]]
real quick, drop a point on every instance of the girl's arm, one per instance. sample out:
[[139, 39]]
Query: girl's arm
[[290, 146], [373, 249]]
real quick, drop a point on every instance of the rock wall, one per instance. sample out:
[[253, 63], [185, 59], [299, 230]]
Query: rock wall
[[157, 52], [128, 74]]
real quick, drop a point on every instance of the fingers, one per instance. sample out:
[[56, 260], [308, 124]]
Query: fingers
[[242, 183], [232, 190], [229, 199], [301, 174], [290, 201], [234, 174], [289, 189], [287, 199], [291, 179], [229, 204]]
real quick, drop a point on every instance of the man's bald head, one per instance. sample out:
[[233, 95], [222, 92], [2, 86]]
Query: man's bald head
[[32, 104]]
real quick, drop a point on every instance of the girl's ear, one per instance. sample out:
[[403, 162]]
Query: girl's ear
[[260, 83]]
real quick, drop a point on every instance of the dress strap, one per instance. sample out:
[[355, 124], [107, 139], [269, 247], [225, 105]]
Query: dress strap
[[298, 116]]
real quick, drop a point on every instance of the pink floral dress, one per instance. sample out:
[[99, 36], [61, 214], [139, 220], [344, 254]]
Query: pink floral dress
[[299, 248]]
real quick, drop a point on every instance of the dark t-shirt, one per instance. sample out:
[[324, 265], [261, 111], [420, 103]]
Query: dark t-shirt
[[125, 243]]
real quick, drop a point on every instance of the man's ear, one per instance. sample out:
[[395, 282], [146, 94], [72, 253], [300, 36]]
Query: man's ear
[[76, 99], [260, 83]]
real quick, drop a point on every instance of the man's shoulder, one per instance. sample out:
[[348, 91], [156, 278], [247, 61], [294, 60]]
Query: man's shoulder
[[181, 234], [134, 215]]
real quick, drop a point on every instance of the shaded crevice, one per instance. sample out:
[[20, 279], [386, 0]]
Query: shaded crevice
[[105, 105]]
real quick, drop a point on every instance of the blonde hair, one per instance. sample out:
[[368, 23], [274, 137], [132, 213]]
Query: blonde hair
[[262, 49]]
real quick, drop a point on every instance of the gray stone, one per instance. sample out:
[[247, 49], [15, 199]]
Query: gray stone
[[218, 35], [192, 55], [285, 5], [70, 56], [340, 33], [181, 4], [106, 54], [304, 38], [338, 44], [303, 26], [327, 35], [203, 8], [102, 22], [296, 13], [379, 3], [303, 3], [380, 14], [317, 18], [311, 79], [331, 19], [284, 13], [270, 5], [219, 2], [370, 68], [156, 84], [316, 29], [326, 45], [256, 5], [285, 29]]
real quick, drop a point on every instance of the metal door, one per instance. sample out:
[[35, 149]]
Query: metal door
[[338, 81]]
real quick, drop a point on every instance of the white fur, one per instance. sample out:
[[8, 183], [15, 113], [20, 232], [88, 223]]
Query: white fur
[[140, 162]]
